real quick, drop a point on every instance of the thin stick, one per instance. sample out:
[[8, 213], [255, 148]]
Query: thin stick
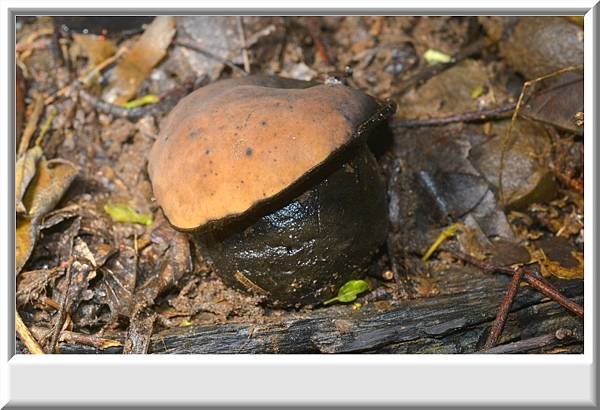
[[208, 54], [88, 340], [240, 21], [53, 112], [26, 337], [62, 315], [550, 291], [38, 107], [97, 69], [502, 314], [467, 116], [87, 76], [540, 285]]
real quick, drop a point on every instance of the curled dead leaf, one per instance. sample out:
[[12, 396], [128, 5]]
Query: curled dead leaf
[[51, 181], [25, 169]]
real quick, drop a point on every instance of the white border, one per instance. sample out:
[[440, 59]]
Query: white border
[[300, 379]]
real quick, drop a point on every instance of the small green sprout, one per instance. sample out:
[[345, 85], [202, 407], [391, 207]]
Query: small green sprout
[[349, 291]]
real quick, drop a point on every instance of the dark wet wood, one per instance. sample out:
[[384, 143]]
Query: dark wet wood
[[456, 321]]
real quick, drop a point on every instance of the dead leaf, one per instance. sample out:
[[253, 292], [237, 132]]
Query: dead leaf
[[217, 36], [24, 172], [118, 281], [51, 181], [96, 48], [136, 64], [558, 258], [559, 105]]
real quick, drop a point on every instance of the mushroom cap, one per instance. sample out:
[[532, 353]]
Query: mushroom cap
[[234, 145]]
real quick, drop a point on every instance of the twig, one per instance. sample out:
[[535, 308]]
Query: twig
[[97, 69], [88, 340], [166, 101], [53, 112], [540, 285], [62, 314], [523, 346], [209, 54], [140, 330], [550, 291], [26, 337], [502, 314], [38, 107], [87, 76], [468, 116], [240, 21], [28, 41]]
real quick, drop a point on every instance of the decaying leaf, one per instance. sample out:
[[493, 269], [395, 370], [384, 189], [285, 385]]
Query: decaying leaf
[[24, 172], [51, 181], [558, 258], [32, 284], [96, 48], [526, 179], [217, 36], [124, 213], [117, 284], [137, 63], [560, 105], [170, 255]]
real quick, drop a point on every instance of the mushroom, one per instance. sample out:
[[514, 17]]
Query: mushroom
[[275, 181]]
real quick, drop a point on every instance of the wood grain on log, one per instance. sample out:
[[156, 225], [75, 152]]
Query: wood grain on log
[[455, 321]]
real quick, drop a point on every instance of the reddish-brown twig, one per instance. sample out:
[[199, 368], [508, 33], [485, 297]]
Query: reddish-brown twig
[[550, 291], [502, 314], [535, 282]]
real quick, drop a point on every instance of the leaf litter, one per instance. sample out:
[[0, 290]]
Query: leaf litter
[[129, 280]]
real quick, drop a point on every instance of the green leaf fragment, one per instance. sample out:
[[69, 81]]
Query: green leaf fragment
[[477, 91], [124, 213], [145, 100], [349, 291], [435, 57]]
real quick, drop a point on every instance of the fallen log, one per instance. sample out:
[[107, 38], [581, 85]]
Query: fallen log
[[455, 321]]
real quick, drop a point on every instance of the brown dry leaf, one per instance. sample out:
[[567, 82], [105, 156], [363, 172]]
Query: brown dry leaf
[[559, 104], [51, 181], [558, 258], [96, 48], [24, 172], [117, 283], [137, 63], [31, 285]]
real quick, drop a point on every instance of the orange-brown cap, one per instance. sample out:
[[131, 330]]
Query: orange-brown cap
[[229, 147]]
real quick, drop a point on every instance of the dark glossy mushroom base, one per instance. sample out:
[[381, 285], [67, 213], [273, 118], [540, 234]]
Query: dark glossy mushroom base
[[302, 253]]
